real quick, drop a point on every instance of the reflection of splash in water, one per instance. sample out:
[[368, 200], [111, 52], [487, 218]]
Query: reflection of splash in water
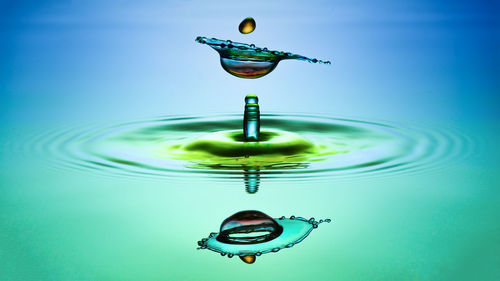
[[247, 61], [249, 234], [252, 180], [137, 148]]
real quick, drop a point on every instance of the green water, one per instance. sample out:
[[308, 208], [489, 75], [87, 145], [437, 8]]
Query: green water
[[67, 224]]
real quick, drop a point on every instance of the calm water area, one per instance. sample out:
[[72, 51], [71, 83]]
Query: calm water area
[[80, 86]]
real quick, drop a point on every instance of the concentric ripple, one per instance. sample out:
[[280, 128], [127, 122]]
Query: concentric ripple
[[347, 147]]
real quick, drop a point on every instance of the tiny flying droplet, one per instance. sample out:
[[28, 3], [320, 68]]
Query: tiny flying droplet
[[248, 259], [247, 25]]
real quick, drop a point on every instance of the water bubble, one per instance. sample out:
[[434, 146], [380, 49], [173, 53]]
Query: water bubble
[[248, 227], [247, 25]]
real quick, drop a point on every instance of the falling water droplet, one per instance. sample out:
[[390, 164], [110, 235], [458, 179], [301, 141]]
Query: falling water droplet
[[248, 227], [247, 25], [248, 259]]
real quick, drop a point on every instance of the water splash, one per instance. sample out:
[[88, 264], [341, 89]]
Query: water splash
[[251, 119], [248, 61], [247, 25]]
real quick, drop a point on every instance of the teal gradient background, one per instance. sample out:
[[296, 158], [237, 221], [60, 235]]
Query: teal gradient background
[[66, 64]]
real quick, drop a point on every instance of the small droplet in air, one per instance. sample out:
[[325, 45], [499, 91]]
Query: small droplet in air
[[247, 25], [248, 259]]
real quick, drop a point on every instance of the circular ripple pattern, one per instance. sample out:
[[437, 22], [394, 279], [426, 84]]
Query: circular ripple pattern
[[362, 148]]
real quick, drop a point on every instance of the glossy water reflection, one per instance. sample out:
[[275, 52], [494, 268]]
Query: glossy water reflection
[[249, 234]]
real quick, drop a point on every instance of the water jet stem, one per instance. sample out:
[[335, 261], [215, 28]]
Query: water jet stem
[[251, 119]]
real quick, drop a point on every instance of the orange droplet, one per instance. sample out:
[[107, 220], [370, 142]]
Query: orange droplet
[[248, 259], [247, 25]]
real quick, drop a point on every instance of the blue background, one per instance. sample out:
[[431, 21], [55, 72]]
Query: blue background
[[391, 59]]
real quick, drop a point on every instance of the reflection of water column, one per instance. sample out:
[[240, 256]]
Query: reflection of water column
[[251, 119], [252, 180]]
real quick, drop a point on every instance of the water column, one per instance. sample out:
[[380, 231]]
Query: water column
[[251, 130], [251, 119]]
